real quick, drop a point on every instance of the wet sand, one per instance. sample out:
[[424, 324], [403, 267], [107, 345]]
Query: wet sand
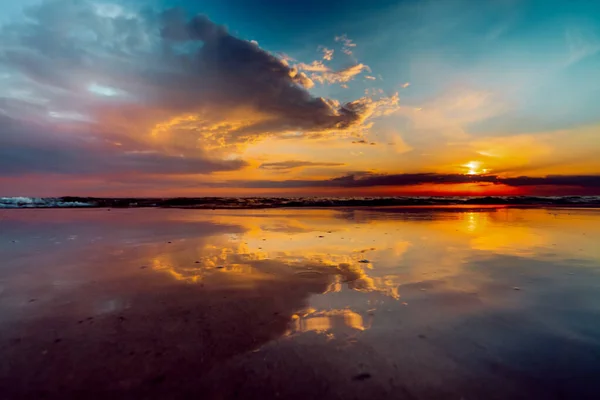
[[490, 303]]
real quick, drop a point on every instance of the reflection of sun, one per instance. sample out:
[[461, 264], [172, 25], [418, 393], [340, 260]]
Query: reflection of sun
[[474, 168], [472, 219]]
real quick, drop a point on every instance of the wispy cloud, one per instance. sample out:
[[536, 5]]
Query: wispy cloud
[[582, 42], [347, 44], [295, 164], [327, 53]]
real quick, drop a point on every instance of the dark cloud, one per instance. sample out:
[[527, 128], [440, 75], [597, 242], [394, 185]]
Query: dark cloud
[[233, 72], [372, 180], [555, 180], [292, 164]]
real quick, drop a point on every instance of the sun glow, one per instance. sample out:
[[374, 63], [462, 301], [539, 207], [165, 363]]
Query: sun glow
[[474, 168]]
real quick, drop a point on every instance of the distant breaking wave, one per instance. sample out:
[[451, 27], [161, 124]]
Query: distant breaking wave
[[277, 202]]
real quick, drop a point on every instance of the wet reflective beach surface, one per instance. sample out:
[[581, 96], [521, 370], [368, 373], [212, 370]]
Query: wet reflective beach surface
[[413, 303]]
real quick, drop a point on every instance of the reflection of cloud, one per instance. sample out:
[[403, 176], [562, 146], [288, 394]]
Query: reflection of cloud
[[233, 258], [324, 321], [408, 251], [323, 248]]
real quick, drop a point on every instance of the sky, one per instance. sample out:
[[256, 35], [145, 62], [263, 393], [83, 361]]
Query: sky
[[118, 98]]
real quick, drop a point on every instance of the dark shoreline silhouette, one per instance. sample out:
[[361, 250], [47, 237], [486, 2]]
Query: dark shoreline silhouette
[[289, 202]]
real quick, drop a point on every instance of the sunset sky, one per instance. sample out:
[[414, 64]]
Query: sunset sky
[[319, 97]]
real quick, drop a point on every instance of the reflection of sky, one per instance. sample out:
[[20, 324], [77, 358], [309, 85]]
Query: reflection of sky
[[352, 263], [388, 239], [495, 296], [388, 255]]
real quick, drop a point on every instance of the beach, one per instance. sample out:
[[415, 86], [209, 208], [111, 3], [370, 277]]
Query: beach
[[477, 302]]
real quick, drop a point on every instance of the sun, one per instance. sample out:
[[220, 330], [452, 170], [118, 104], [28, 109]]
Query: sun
[[474, 168]]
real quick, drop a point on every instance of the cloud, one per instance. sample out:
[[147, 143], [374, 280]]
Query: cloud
[[341, 76], [369, 179], [294, 164], [582, 42], [327, 53], [347, 44], [315, 66], [31, 148], [587, 181], [449, 115], [172, 89], [232, 72], [301, 79], [323, 74]]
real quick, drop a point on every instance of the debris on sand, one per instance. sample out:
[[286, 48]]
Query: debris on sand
[[365, 261]]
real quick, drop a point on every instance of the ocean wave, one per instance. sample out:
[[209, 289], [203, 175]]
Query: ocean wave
[[279, 202]]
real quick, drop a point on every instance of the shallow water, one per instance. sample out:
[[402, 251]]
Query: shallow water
[[487, 302]]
